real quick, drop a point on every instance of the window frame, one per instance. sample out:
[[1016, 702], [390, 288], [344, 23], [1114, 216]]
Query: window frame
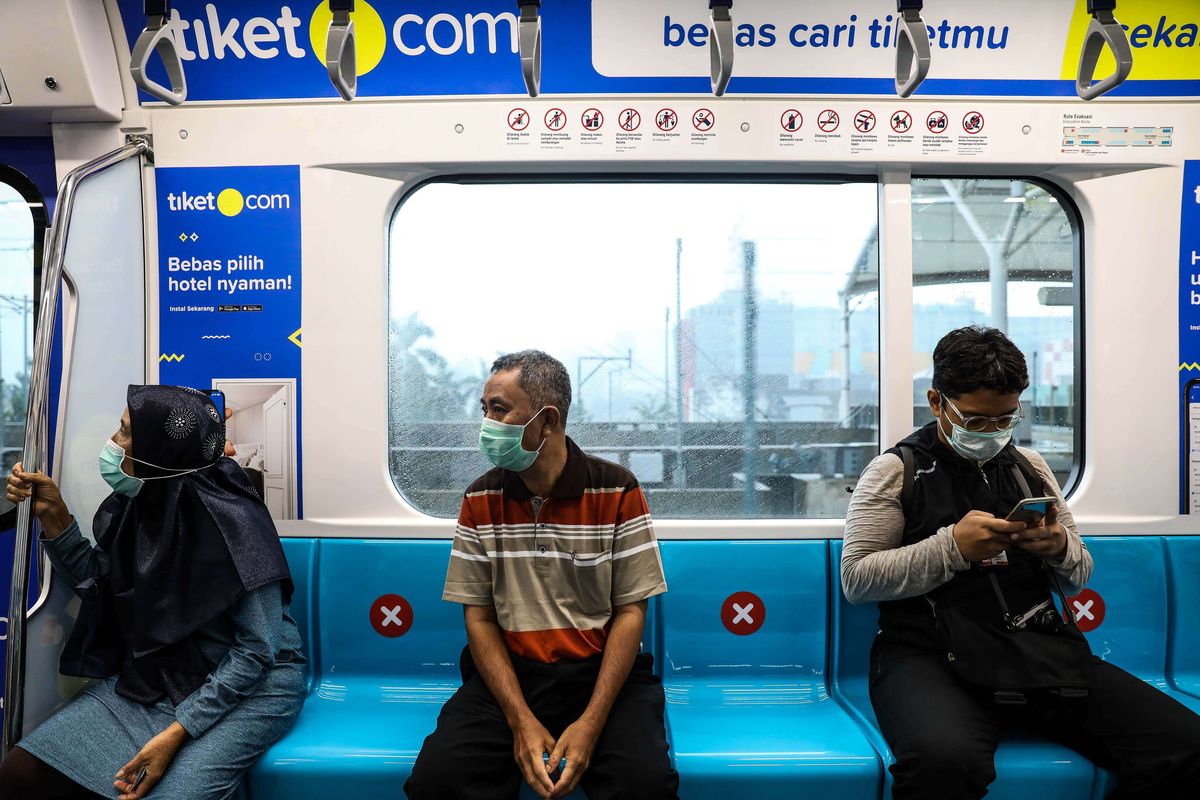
[[38, 209], [880, 179]]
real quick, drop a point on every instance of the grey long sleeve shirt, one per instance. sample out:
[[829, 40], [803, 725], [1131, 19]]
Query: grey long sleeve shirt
[[875, 567], [245, 642]]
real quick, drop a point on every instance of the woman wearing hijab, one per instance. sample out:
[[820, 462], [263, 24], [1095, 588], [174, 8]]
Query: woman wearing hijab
[[184, 618]]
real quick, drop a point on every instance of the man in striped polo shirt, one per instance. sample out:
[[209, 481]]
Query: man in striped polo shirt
[[553, 561]]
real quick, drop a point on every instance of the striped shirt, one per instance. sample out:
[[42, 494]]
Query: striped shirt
[[555, 567]]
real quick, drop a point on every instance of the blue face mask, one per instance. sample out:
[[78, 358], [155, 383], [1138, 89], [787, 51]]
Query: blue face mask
[[112, 455], [501, 443], [977, 445]]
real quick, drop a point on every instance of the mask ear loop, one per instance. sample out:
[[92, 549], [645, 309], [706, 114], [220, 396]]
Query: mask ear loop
[[178, 472], [527, 424]]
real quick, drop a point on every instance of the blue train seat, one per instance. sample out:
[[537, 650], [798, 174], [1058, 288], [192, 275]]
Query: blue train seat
[[751, 715], [1183, 559], [375, 698], [301, 556], [1131, 581], [1025, 767]]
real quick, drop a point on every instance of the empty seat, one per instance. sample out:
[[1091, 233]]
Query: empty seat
[[1183, 560], [751, 715]]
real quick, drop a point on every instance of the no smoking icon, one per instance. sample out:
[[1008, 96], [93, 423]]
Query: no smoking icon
[[828, 120], [743, 613], [391, 616]]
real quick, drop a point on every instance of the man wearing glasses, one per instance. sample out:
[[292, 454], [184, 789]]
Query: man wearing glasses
[[970, 642]]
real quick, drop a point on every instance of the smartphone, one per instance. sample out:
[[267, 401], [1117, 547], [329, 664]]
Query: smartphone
[[218, 398], [137, 780], [1031, 510], [1191, 403]]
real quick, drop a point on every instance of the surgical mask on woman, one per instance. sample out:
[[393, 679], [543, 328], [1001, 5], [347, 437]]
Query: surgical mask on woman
[[112, 455], [502, 444]]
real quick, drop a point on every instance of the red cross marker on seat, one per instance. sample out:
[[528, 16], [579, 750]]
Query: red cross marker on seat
[[1088, 608], [391, 616], [743, 613]]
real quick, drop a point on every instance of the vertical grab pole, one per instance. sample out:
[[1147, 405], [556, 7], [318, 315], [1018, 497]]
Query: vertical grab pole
[[34, 455]]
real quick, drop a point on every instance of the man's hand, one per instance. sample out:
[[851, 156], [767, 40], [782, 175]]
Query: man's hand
[[155, 757], [531, 742], [576, 746], [980, 535], [1048, 540]]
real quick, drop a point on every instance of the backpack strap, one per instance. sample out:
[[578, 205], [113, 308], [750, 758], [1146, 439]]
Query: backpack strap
[[1020, 468], [910, 474]]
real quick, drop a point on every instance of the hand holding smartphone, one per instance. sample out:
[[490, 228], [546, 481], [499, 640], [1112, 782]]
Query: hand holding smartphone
[[1032, 510]]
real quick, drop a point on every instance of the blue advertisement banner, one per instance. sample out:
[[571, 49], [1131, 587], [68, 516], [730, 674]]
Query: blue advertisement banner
[[229, 263], [1189, 340], [273, 49]]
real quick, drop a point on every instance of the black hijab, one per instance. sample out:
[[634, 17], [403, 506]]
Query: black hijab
[[182, 552]]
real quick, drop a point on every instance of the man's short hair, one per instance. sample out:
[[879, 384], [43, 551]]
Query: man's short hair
[[976, 357], [540, 376]]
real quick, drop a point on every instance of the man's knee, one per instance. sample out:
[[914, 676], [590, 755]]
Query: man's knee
[[431, 774], [943, 768], [19, 775]]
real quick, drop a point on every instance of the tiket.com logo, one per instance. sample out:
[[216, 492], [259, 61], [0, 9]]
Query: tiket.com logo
[[219, 35], [229, 202]]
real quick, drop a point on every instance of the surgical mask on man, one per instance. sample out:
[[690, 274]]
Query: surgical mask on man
[[977, 445], [502, 444], [112, 455]]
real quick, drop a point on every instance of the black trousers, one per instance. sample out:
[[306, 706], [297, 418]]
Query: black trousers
[[944, 732], [470, 754]]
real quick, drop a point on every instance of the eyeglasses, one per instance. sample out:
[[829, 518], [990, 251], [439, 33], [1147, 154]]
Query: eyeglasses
[[978, 424]]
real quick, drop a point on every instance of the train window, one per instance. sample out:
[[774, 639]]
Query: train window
[[1003, 253], [640, 289], [22, 223]]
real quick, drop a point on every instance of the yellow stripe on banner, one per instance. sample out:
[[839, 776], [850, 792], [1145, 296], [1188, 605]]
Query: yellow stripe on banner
[[170, 357], [1190, 367], [1164, 34]]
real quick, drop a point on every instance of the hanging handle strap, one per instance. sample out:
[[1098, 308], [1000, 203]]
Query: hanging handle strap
[[1103, 30], [156, 38], [720, 44], [529, 28], [341, 54], [913, 54]]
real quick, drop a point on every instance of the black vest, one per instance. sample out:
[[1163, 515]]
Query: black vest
[[945, 487]]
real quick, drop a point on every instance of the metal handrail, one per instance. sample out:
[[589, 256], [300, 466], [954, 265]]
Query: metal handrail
[[35, 456], [720, 44]]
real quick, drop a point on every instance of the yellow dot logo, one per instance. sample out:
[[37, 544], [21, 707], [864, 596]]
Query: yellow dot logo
[[370, 34], [230, 202]]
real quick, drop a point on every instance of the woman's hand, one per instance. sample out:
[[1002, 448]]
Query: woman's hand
[[48, 505], [155, 758]]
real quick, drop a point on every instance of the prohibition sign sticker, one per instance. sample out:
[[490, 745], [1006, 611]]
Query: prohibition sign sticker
[[864, 121], [743, 613], [593, 119], [391, 616], [973, 122], [518, 119], [792, 120], [630, 120], [937, 122], [901, 121], [666, 119], [556, 119], [828, 120], [1088, 608], [703, 120]]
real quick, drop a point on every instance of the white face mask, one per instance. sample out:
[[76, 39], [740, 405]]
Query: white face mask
[[977, 446]]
